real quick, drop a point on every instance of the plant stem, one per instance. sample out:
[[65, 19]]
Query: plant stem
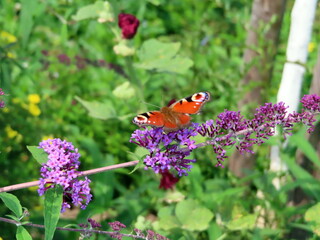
[[136, 81], [85, 173], [71, 229]]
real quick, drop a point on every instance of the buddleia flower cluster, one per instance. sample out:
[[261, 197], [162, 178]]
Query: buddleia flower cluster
[[62, 169], [2, 104], [170, 152]]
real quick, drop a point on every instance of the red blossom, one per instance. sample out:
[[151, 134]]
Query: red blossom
[[167, 180], [128, 24]]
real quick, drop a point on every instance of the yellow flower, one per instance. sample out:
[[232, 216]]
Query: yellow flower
[[10, 132], [9, 38], [11, 55], [47, 137], [311, 47], [34, 109], [34, 98]]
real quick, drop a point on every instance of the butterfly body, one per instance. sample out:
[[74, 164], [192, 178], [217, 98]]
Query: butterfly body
[[176, 115]]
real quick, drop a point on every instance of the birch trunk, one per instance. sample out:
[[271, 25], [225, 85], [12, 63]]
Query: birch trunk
[[302, 18]]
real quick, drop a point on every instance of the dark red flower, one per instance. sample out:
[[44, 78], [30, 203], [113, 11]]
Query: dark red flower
[[128, 24], [63, 58], [167, 180]]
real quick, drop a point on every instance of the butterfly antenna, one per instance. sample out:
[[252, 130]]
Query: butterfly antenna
[[150, 104]]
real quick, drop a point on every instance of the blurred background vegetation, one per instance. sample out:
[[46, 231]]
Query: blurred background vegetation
[[55, 68]]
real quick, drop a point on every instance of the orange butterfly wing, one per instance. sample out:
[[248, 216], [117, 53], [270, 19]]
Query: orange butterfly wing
[[191, 104], [158, 119], [154, 118]]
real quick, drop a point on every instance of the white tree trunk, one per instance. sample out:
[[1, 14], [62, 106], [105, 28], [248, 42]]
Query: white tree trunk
[[302, 18]]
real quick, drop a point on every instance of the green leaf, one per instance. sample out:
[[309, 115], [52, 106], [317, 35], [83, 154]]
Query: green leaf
[[64, 32], [310, 185], [38, 154], [26, 20], [142, 223], [214, 231], [166, 219], [173, 196], [162, 57], [155, 2], [193, 216], [100, 9], [13, 217], [124, 91], [243, 222], [313, 213], [12, 202], [299, 140], [52, 208], [99, 110], [312, 216], [22, 234], [139, 155]]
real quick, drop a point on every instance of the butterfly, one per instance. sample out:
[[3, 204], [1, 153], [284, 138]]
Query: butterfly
[[176, 115]]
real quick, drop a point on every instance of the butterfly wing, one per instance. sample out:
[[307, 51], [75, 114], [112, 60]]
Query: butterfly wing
[[175, 116], [154, 118], [191, 104], [159, 119]]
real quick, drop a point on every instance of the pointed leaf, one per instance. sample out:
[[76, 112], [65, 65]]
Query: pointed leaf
[[312, 216], [310, 185], [124, 91], [155, 55], [99, 9], [12, 202], [22, 234], [243, 223], [52, 208], [153, 49], [38, 154], [99, 110], [139, 155], [300, 141], [313, 213], [26, 20]]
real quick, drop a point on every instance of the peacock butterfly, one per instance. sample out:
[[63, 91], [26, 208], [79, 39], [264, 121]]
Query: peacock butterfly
[[176, 115]]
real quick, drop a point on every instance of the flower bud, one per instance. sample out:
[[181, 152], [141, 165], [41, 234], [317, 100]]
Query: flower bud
[[128, 24]]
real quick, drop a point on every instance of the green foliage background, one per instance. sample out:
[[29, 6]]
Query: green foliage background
[[212, 35]]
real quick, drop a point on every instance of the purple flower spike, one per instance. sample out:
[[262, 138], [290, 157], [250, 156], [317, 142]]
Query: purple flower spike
[[2, 104], [116, 226], [311, 102], [174, 157], [170, 151], [62, 168], [230, 120]]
